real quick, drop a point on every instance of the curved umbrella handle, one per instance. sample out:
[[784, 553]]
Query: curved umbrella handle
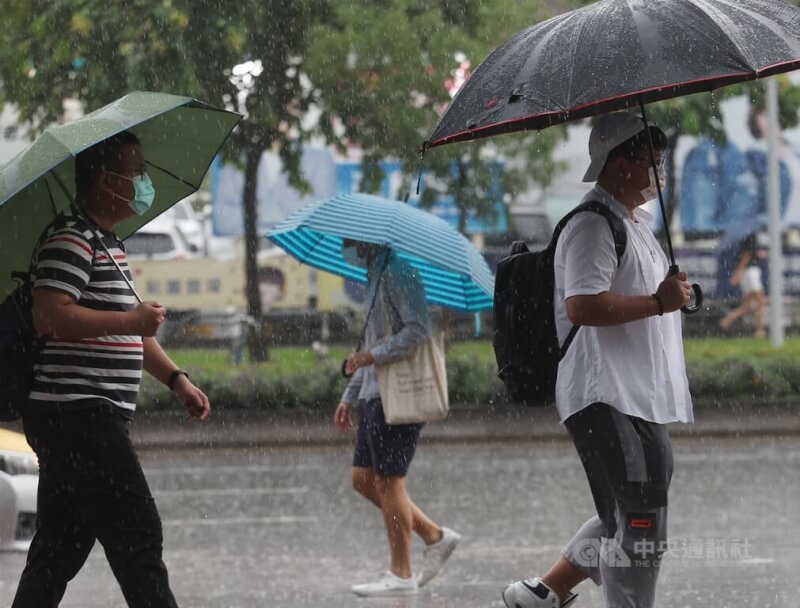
[[344, 370], [691, 309], [695, 307]]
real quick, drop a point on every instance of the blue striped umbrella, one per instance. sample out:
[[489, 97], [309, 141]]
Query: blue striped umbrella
[[454, 274]]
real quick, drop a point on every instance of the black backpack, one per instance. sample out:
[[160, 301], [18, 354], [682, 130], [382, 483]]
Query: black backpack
[[525, 341], [19, 344], [18, 348]]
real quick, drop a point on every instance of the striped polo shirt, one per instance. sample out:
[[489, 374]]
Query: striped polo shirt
[[75, 373]]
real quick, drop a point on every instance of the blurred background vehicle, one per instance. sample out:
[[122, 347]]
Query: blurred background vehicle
[[19, 480], [160, 240]]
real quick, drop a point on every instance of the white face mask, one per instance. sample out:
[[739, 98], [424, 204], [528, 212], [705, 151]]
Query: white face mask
[[651, 192]]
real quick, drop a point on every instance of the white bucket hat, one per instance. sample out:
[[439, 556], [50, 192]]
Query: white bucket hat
[[608, 132]]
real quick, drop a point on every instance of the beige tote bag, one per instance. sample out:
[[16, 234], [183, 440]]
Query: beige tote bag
[[414, 390]]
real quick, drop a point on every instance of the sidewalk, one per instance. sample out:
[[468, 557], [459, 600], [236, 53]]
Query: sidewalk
[[240, 429]]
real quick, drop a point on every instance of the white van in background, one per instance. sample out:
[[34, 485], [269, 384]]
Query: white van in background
[[188, 222], [19, 480], [161, 239]]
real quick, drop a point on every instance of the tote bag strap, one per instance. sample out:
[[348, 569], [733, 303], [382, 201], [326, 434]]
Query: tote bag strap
[[369, 311], [374, 300]]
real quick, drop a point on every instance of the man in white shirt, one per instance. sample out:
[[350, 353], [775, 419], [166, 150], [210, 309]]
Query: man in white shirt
[[622, 379]]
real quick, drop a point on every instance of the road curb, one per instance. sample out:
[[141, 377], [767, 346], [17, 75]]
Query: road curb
[[246, 429]]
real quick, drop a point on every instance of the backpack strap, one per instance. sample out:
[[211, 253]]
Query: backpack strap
[[90, 236], [614, 223], [98, 239], [374, 299], [570, 337], [369, 312], [620, 243]]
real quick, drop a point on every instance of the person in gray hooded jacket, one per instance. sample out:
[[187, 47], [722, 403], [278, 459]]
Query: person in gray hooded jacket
[[397, 325]]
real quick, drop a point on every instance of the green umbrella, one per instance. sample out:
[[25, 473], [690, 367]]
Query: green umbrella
[[180, 137]]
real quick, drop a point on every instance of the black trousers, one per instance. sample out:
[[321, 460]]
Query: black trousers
[[91, 487]]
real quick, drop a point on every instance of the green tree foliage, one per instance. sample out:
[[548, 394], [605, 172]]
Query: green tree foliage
[[87, 50], [383, 68], [96, 51]]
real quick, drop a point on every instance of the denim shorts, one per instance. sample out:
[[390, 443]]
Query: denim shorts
[[387, 449]]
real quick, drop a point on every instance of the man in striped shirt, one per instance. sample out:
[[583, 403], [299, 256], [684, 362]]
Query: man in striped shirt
[[98, 340]]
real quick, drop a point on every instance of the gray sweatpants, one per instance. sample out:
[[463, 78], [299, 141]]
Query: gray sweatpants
[[628, 462]]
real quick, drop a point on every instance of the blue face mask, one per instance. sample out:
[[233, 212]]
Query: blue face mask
[[143, 193]]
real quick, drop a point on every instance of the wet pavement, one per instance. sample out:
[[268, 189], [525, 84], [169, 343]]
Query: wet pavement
[[281, 526]]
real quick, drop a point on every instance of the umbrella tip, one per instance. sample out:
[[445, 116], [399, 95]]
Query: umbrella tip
[[424, 148]]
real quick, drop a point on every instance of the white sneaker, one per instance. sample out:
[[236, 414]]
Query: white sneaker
[[388, 584], [533, 593], [435, 555]]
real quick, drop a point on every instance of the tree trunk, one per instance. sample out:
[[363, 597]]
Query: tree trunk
[[462, 218], [256, 340]]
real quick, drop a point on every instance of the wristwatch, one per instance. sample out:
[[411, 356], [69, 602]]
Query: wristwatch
[[174, 376]]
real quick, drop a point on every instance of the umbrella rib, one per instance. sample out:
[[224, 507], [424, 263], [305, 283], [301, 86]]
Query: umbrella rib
[[171, 174], [574, 52], [222, 143], [457, 277], [586, 110], [714, 20], [50, 193], [201, 105], [315, 244], [62, 186]]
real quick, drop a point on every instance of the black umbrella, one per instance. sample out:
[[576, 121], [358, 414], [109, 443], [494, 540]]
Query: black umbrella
[[616, 54]]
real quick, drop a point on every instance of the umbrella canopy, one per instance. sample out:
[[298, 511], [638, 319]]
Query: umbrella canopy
[[454, 274], [617, 54], [180, 137]]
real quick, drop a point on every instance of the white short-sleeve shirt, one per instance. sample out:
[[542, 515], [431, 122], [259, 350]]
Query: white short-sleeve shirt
[[637, 367]]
